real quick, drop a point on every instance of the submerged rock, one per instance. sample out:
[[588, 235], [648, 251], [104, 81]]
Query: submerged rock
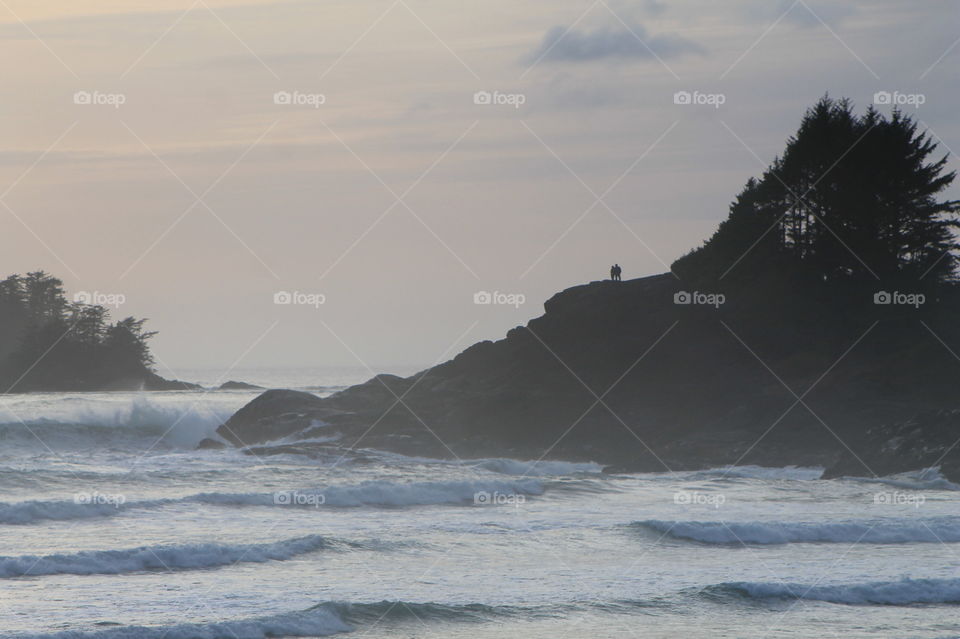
[[208, 443]]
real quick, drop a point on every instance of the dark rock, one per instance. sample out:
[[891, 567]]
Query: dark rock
[[620, 374], [210, 444], [272, 415], [232, 385], [927, 440], [150, 382]]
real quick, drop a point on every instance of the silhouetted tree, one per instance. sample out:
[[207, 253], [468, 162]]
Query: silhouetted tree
[[125, 347], [47, 343], [851, 197]]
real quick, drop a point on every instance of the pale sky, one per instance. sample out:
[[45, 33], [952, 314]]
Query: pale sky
[[398, 198]]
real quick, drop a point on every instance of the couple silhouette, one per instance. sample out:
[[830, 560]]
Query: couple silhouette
[[615, 271]]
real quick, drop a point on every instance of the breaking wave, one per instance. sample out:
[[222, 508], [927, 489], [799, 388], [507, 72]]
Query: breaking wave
[[320, 621], [903, 592], [156, 558], [384, 494], [892, 531]]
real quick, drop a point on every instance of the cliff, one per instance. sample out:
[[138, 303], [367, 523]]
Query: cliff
[[621, 373]]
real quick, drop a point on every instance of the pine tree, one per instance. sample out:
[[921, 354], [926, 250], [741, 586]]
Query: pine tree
[[851, 198]]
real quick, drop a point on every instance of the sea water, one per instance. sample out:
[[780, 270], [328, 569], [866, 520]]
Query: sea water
[[112, 525]]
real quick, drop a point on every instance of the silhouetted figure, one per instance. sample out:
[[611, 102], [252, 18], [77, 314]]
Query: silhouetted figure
[[615, 271]]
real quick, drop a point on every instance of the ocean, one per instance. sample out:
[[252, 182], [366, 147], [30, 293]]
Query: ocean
[[113, 526]]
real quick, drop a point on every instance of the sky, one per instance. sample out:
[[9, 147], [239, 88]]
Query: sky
[[287, 183]]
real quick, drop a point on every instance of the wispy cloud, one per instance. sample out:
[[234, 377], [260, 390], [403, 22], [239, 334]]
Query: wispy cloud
[[562, 44]]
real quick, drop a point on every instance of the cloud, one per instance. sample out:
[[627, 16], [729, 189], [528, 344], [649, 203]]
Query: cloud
[[561, 44], [802, 14], [655, 7]]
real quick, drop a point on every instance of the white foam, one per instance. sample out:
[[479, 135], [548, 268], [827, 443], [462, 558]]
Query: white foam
[[504, 465], [83, 420], [184, 557], [543, 468], [891, 593], [796, 473], [892, 531], [927, 479]]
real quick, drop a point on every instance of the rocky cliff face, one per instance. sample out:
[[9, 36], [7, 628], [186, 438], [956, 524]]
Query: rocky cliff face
[[622, 374], [929, 439]]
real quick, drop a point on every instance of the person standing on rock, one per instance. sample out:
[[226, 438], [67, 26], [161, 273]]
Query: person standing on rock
[[615, 273]]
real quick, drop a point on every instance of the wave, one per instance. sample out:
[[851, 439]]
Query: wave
[[796, 473], [405, 610], [542, 468], [156, 558], [500, 465], [384, 494], [78, 421], [927, 479], [903, 592], [895, 531], [320, 621], [28, 512]]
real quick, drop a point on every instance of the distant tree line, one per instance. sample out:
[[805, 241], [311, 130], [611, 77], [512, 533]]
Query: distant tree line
[[853, 198], [49, 343]]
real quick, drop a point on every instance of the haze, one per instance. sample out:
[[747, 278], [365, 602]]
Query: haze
[[402, 195]]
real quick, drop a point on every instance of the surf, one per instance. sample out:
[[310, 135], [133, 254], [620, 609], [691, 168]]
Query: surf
[[892, 531]]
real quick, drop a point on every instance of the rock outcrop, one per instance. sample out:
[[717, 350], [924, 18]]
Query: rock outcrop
[[234, 385], [930, 439], [640, 376]]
